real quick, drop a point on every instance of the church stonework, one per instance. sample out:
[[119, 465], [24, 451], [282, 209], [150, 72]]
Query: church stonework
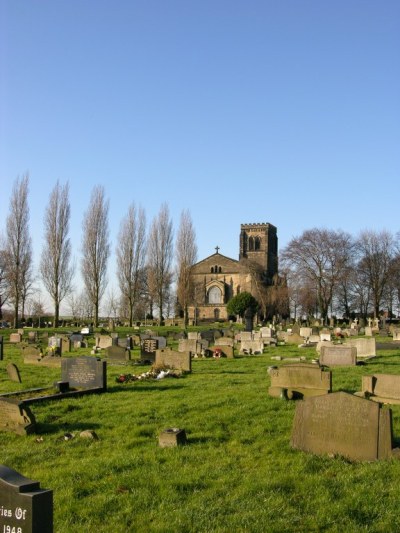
[[217, 278]]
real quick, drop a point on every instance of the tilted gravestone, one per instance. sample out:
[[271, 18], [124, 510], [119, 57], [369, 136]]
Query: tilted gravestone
[[173, 359], [384, 388], [84, 372], [338, 355], [13, 373], [1, 347], [117, 354], [343, 424], [24, 506], [301, 380], [16, 417]]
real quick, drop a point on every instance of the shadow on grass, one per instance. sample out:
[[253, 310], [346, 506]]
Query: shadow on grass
[[141, 387], [51, 428]]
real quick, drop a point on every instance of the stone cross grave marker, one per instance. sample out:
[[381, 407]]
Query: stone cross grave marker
[[343, 424], [24, 506], [16, 417]]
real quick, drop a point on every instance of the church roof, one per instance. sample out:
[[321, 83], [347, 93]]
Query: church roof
[[217, 257]]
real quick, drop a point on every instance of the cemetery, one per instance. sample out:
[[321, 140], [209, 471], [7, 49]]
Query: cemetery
[[113, 446]]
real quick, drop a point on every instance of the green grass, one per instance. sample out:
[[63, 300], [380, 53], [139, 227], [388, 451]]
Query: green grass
[[237, 472]]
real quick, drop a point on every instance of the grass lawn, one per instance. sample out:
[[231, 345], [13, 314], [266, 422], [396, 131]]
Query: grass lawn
[[236, 473]]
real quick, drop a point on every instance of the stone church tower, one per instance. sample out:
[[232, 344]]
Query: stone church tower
[[217, 278]]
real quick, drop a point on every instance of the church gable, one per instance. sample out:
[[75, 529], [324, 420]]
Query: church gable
[[216, 264]]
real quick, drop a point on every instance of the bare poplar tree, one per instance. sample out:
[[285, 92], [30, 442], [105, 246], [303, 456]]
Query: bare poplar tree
[[320, 258], [376, 251], [186, 257], [96, 248], [159, 256], [55, 265], [131, 256], [3, 277], [18, 250]]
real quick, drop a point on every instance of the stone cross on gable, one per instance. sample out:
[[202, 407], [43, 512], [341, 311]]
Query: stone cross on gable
[[217, 248]]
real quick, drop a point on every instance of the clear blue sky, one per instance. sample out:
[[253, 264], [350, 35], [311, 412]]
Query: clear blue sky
[[241, 111]]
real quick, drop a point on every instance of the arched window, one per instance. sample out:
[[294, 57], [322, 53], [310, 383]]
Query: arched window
[[257, 243], [219, 270], [214, 295], [212, 270], [251, 243], [216, 268]]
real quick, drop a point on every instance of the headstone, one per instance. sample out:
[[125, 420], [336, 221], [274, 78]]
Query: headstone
[[343, 424], [1, 347], [338, 355], [368, 331], [193, 335], [251, 347], [294, 338], [227, 351], [118, 354], [189, 345], [305, 332], [248, 319], [225, 341], [148, 349], [25, 507], [103, 341], [246, 336], [172, 359], [84, 372], [15, 337], [325, 337], [76, 337], [396, 334], [13, 373], [15, 416], [365, 347], [266, 332], [384, 388], [172, 437], [32, 337], [298, 380], [65, 345], [295, 329]]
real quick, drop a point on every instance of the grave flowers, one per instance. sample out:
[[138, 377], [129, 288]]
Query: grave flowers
[[155, 373]]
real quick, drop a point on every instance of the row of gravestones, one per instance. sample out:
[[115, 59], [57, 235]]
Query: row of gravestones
[[355, 426]]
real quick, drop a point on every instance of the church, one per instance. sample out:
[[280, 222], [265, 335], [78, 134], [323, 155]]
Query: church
[[217, 278]]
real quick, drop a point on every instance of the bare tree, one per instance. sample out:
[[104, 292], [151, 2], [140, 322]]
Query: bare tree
[[159, 256], [186, 257], [3, 277], [319, 257], [18, 250], [55, 265], [376, 251], [131, 256], [96, 249]]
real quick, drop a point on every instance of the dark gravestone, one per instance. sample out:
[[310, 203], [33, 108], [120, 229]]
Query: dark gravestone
[[1, 347], [148, 349], [16, 417], [76, 337], [24, 506], [13, 373], [117, 354], [302, 379], [84, 372], [248, 319], [343, 424]]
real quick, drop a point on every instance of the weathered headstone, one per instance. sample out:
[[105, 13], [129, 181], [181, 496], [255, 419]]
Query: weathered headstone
[[251, 347], [190, 345], [193, 335], [368, 331], [300, 379], [343, 424], [148, 349], [15, 416], [384, 388], [365, 347], [305, 332], [173, 359], [118, 354], [338, 355], [172, 437], [246, 336], [15, 337], [13, 373], [32, 337], [1, 347], [24, 506], [84, 372]]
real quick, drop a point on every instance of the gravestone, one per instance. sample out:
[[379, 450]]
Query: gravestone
[[65, 345], [103, 341], [384, 388], [172, 437], [76, 337], [15, 337], [16, 417], [84, 372], [368, 331], [396, 334], [32, 337], [118, 354], [148, 349], [1, 347], [266, 332], [225, 341], [343, 424], [338, 355], [305, 332], [13, 373], [294, 338], [25, 507], [298, 380], [227, 351], [190, 345], [173, 359], [251, 347], [193, 335], [365, 347], [246, 336], [325, 337]]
